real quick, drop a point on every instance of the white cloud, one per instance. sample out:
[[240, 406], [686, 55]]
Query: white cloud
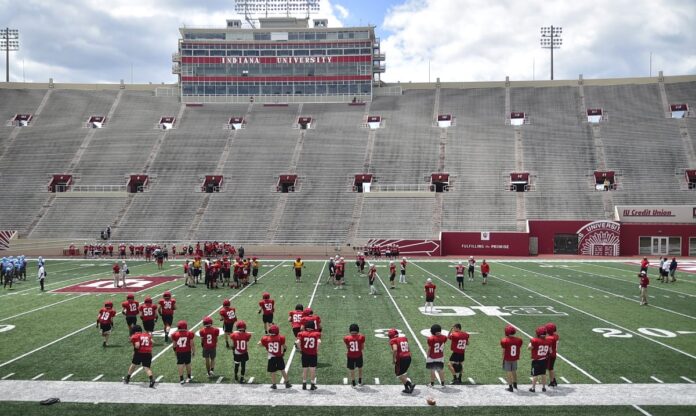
[[477, 40], [342, 11]]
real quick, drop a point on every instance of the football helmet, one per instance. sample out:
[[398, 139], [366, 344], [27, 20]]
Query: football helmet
[[274, 330], [182, 325]]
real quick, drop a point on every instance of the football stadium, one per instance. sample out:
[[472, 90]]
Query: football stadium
[[347, 244]]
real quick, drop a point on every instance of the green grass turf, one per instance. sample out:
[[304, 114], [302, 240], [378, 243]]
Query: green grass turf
[[586, 293], [78, 409]]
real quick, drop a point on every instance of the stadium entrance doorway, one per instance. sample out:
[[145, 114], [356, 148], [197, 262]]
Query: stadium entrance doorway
[[565, 244]]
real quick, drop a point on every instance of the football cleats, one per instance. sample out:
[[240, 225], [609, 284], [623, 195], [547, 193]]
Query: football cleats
[[241, 325], [510, 330], [274, 330], [226, 302], [266, 295], [167, 294], [182, 325], [436, 328], [392, 333], [207, 321], [541, 331], [148, 299], [130, 296], [550, 328]]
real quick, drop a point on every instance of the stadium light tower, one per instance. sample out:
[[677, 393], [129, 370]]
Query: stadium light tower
[[551, 39], [9, 42], [250, 8]]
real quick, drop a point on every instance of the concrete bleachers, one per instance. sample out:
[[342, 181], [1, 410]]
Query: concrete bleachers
[[77, 217], [16, 102], [399, 217]]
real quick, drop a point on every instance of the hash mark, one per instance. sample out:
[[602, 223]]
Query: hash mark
[[38, 376], [626, 380], [157, 380], [66, 377], [219, 380], [688, 380], [251, 380], [565, 380], [97, 378], [8, 376], [376, 380], [657, 379], [502, 380], [345, 380], [471, 380]]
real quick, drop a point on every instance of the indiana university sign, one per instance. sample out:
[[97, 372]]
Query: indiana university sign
[[599, 238]]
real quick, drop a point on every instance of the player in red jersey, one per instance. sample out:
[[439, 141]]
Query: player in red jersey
[[458, 341], [512, 347], [402, 276], [470, 268], [209, 338], [184, 348], [643, 286], [309, 316], [435, 361], [552, 339], [142, 354], [117, 272], [167, 305], [360, 262], [371, 276], [275, 346], [295, 319], [130, 310], [392, 275], [355, 345], [267, 308], [401, 357], [539, 347], [340, 273], [228, 316], [485, 269], [429, 295], [105, 320], [148, 314], [308, 342], [644, 265], [240, 343], [459, 274]]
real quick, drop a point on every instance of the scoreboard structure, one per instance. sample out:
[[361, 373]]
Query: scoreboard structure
[[284, 60]]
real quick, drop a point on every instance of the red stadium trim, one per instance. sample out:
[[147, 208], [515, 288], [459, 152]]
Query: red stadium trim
[[279, 78]]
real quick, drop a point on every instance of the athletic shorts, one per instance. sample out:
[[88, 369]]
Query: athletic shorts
[[435, 365], [267, 319], [105, 328], [254, 272], [460, 278], [457, 357], [209, 353], [296, 331], [430, 299], [241, 358], [471, 269], [403, 272], [392, 277], [275, 364], [298, 272], [167, 320], [401, 366], [550, 361], [354, 363], [309, 361], [131, 320], [538, 367], [228, 327], [226, 274], [196, 272], [484, 275], [149, 326], [338, 276], [183, 357], [142, 358], [509, 365]]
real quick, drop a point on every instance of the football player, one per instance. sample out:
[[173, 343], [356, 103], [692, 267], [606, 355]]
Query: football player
[[298, 265], [267, 307], [308, 342], [401, 358], [167, 305], [240, 343], [552, 339], [309, 316], [275, 346], [459, 274], [402, 276], [142, 354], [130, 310], [371, 276], [295, 319], [429, 295], [148, 315], [228, 316], [184, 348], [436, 355], [485, 269], [458, 341], [511, 346], [255, 265], [355, 344], [105, 320], [540, 351], [209, 337], [470, 269], [392, 274]]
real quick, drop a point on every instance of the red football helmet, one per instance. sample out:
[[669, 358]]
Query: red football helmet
[[182, 325], [167, 294], [226, 302], [541, 331], [307, 312], [510, 330], [148, 299], [392, 333], [274, 330], [241, 325], [266, 295], [130, 296], [108, 304], [207, 321], [550, 328]]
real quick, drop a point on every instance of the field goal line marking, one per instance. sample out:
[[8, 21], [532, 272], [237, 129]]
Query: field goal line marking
[[598, 289], [309, 305], [165, 349], [630, 282], [595, 317], [572, 364]]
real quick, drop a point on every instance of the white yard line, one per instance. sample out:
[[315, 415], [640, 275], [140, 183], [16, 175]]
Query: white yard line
[[471, 380], [688, 380], [655, 286], [376, 381], [649, 268], [66, 377], [97, 378], [572, 364], [626, 380], [38, 376], [7, 376], [165, 349], [657, 380], [635, 406], [309, 305], [43, 307], [47, 345], [251, 380], [159, 378], [502, 380], [565, 380], [638, 334]]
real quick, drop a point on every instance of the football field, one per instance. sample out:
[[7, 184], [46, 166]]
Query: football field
[[608, 342]]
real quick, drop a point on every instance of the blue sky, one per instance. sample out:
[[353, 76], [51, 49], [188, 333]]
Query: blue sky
[[95, 41]]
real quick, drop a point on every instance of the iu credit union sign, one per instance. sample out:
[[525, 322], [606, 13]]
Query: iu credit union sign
[[676, 214], [599, 238]]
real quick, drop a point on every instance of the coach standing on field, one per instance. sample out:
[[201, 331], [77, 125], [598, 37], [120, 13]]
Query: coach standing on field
[[42, 276]]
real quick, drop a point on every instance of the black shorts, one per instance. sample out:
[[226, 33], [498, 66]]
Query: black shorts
[[267, 319], [401, 366], [228, 327], [354, 363], [142, 358], [131, 320], [430, 299], [196, 272], [460, 278], [296, 331], [183, 357], [149, 326], [338, 276], [298, 272], [275, 364], [457, 357], [403, 272], [550, 361], [241, 358], [254, 272], [226, 274], [538, 367], [167, 320], [435, 365], [105, 328], [392, 277], [209, 353], [309, 361], [484, 275]]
